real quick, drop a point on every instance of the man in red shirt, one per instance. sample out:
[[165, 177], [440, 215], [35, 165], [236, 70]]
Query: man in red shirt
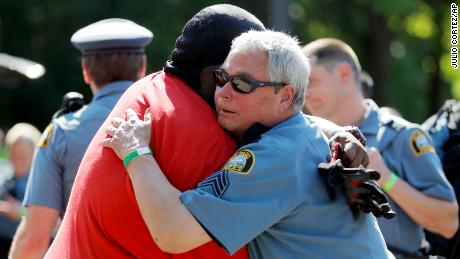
[[102, 218]]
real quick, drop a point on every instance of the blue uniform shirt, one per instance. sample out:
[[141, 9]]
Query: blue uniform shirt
[[408, 152], [63, 145], [270, 195], [13, 187], [438, 131]]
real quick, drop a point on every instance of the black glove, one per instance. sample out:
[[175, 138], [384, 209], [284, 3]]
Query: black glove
[[71, 102], [363, 194]]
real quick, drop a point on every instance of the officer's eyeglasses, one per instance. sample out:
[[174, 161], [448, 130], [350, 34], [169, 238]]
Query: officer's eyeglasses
[[240, 83]]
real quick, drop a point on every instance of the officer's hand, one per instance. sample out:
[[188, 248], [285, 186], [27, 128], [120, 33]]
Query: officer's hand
[[364, 194], [10, 208], [377, 163], [127, 135], [354, 154]]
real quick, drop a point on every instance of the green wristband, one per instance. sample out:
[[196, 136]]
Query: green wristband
[[390, 183], [135, 153]]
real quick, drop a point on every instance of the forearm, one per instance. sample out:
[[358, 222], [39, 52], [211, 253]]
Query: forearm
[[435, 215], [171, 225], [28, 245]]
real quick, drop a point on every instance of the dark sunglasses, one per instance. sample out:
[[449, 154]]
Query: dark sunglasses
[[241, 84]]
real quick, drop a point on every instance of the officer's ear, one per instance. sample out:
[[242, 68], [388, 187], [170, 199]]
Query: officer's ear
[[286, 98], [345, 73], [143, 68], [86, 76]]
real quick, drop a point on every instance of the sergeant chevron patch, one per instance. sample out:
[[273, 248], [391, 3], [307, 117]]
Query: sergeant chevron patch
[[217, 181]]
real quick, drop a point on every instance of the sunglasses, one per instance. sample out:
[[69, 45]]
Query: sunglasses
[[241, 84]]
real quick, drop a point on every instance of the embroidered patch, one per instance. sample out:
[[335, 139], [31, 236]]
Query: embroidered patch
[[241, 162], [46, 136], [420, 144], [217, 181]]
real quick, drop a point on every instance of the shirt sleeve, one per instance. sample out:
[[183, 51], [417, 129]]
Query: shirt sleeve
[[421, 166], [247, 196], [45, 185], [439, 132]]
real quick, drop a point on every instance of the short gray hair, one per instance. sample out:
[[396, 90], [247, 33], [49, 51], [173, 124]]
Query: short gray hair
[[22, 132], [286, 61]]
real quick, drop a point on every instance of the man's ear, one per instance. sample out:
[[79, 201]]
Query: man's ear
[[345, 73], [287, 97], [86, 76], [143, 68]]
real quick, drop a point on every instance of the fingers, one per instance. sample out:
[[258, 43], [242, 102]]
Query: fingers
[[374, 175], [131, 116], [147, 115], [365, 161], [107, 142], [110, 130], [350, 155], [117, 121], [355, 155]]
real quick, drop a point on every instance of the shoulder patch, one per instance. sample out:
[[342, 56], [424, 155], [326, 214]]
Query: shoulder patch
[[46, 137], [392, 121], [241, 162], [420, 144]]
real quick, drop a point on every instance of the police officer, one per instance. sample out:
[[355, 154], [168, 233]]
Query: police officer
[[444, 129], [411, 173], [113, 57]]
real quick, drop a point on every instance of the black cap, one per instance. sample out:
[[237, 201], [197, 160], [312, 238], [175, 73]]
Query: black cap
[[207, 37]]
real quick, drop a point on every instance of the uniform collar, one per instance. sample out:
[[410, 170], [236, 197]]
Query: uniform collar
[[254, 133], [113, 87], [370, 123]]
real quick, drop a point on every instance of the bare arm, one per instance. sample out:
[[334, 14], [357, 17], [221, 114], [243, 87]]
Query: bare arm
[[33, 235], [423, 209], [171, 225]]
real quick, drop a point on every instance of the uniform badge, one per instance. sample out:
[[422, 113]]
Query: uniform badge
[[46, 136], [241, 162], [420, 144]]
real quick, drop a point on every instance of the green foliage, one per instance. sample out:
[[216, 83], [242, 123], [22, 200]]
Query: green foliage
[[41, 31], [397, 42], [405, 45]]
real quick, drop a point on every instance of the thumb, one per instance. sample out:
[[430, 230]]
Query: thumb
[[107, 142], [147, 115]]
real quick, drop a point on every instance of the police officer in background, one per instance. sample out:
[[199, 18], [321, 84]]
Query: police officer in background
[[21, 141], [444, 129], [411, 172], [113, 57]]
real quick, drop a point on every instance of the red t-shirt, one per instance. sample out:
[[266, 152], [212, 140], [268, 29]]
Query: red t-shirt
[[103, 219]]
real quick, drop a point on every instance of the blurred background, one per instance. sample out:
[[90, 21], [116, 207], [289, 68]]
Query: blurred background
[[403, 45]]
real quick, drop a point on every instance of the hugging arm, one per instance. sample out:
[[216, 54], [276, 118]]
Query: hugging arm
[[171, 225]]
